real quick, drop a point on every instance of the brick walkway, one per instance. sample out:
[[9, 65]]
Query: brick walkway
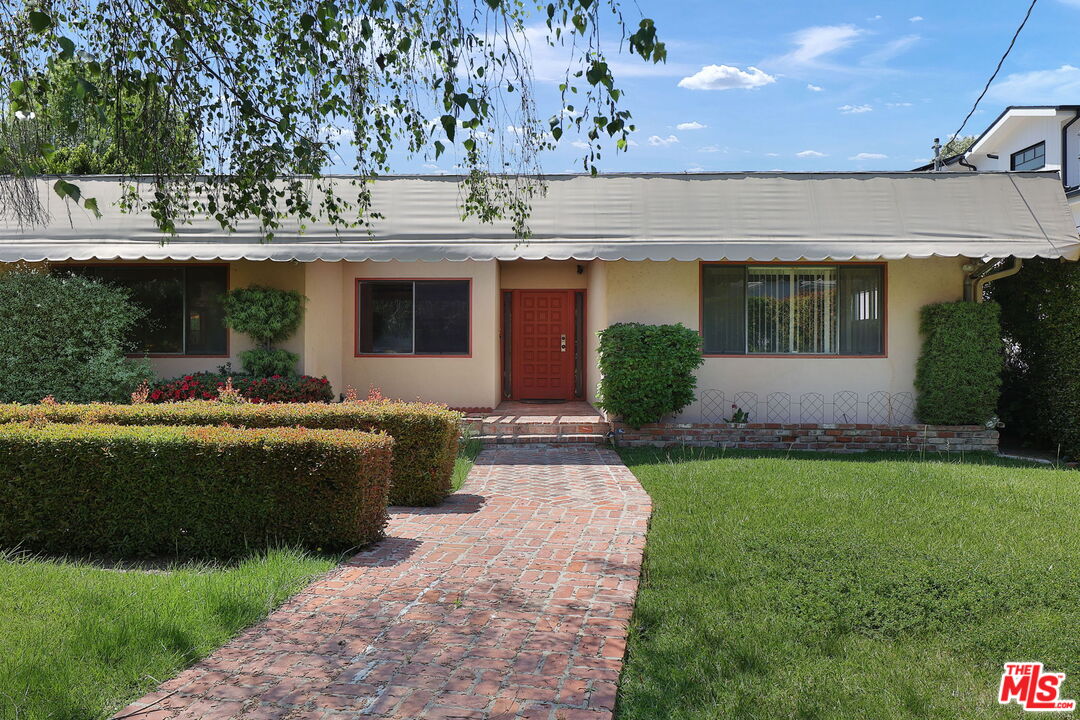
[[510, 600]]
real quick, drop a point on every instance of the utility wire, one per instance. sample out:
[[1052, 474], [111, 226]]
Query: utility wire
[[996, 71]]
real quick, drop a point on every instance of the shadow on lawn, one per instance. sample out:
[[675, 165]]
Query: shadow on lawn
[[659, 456]]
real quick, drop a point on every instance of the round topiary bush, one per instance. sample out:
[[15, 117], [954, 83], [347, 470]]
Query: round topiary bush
[[66, 336], [647, 371]]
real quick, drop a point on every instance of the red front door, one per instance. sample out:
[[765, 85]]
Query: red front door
[[542, 347]]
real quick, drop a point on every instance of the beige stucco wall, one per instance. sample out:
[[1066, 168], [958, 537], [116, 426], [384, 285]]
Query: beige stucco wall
[[667, 292], [543, 275]]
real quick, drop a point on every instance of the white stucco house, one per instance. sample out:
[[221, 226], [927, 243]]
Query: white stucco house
[[1025, 138], [805, 287]]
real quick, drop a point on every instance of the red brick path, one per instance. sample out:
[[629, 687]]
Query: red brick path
[[510, 600]]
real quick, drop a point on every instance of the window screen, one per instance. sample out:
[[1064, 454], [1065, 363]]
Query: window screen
[[414, 317]]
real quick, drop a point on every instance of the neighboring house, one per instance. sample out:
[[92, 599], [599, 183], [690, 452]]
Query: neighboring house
[[806, 288], [1030, 137]]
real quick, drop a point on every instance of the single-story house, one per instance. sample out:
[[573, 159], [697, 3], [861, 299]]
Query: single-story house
[[805, 287]]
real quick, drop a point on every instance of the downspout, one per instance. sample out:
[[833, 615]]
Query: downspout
[[973, 283], [963, 161], [1065, 149]]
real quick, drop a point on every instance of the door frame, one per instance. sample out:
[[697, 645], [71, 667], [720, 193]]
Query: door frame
[[506, 360]]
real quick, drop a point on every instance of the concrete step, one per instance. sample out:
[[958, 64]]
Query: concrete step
[[524, 428], [545, 438]]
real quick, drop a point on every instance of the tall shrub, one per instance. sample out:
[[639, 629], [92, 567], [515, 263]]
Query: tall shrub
[[647, 370], [1040, 316], [66, 336], [958, 376], [267, 316]]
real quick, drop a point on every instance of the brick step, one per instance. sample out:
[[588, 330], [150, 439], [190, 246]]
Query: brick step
[[546, 438], [541, 428]]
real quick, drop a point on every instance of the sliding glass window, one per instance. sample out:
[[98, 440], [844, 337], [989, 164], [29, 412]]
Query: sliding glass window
[[793, 310]]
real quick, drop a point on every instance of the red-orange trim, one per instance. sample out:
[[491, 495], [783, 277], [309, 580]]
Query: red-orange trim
[[884, 309], [160, 264], [356, 317]]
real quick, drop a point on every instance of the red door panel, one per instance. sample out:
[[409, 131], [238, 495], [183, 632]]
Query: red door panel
[[542, 347]]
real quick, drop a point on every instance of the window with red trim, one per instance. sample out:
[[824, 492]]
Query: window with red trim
[[793, 310], [413, 317]]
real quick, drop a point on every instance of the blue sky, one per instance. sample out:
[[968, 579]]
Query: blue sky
[[753, 85]]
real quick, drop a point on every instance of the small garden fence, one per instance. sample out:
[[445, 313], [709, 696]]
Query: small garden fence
[[842, 407]]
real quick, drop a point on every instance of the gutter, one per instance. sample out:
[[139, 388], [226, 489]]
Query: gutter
[[973, 283], [1065, 148]]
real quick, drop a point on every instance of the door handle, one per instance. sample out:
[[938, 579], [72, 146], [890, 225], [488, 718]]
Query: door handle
[[563, 342]]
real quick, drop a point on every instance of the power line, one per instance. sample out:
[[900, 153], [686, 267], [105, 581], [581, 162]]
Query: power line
[[996, 70]]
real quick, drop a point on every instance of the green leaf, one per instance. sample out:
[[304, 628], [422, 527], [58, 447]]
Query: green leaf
[[39, 21], [91, 205], [67, 47], [18, 87], [449, 124], [439, 149], [67, 190]]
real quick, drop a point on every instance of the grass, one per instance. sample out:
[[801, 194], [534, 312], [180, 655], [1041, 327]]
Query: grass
[[467, 453], [809, 586], [79, 641]]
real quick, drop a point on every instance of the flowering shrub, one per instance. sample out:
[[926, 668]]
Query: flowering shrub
[[273, 389]]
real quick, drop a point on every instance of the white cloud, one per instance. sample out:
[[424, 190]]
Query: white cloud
[[874, 18], [1061, 85], [854, 109], [898, 104], [810, 154], [814, 88], [813, 42], [726, 77], [710, 149], [657, 141], [692, 125], [695, 168], [868, 156], [916, 18], [580, 144], [772, 154]]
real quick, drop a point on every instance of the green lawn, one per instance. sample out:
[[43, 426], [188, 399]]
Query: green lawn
[[79, 642], [867, 587], [466, 455]]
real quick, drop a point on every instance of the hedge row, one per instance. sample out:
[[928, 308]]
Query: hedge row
[[189, 491], [425, 436]]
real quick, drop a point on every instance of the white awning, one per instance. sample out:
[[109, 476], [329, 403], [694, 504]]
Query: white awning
[[729, 216]]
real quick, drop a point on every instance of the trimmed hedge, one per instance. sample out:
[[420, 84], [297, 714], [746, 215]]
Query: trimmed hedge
[[189, 491], [647, 371], [425, 436], [273, 389], [958, 376], [1040, 314]]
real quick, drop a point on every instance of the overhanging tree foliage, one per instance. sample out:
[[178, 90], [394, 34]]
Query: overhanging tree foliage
[[276, 92]]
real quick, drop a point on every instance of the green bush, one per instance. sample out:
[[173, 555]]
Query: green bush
[[647, 371], [1040, 316], [65, 336], [958, 375], [267, 316], [189, 491], [425, 436], [265, 362]]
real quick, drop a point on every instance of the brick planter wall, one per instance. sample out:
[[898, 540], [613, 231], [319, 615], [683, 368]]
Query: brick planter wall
[[801, 436]]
